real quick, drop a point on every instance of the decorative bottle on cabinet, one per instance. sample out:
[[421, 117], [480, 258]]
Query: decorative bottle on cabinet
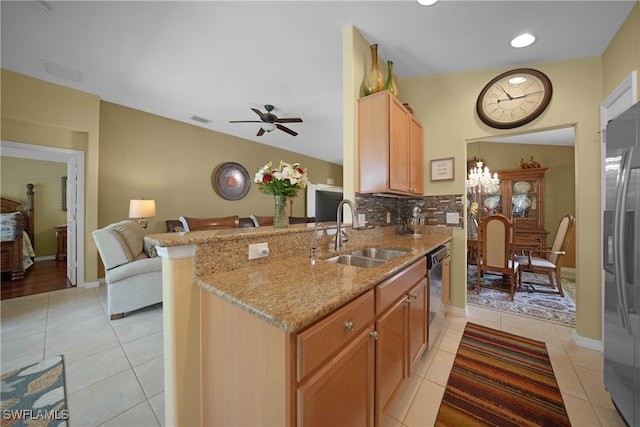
[[390, 85], [373, 81]]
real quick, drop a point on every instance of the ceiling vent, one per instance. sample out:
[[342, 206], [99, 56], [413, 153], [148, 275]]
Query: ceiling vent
[[61, 71], [200, 119]]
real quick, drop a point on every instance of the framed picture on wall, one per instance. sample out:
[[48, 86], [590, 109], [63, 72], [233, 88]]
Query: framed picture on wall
[[442, 169]]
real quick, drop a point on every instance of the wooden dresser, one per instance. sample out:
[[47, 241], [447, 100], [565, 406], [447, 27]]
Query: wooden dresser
[[61, 235]]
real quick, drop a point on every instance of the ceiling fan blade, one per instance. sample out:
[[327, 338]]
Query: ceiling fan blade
[[260, 132], [260, 113], [287, 130], [289, 120], [245, 121]]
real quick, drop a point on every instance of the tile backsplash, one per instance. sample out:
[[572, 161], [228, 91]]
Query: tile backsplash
[[378, 208]]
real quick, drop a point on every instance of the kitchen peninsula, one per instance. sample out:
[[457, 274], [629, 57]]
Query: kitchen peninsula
[[266, 341]]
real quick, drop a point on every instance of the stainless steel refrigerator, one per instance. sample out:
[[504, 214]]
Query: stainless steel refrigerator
[[621, 259]]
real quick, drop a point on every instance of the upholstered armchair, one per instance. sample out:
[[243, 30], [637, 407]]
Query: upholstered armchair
[[132, 271]]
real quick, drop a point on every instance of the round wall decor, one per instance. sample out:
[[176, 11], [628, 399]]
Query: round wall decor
[[514, 98], [231, 181]]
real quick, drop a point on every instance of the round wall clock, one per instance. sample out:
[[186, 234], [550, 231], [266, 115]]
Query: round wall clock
[[514, 98], [231, 181]]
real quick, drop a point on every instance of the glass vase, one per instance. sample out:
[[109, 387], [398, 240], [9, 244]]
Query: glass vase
[[390, 84], [472, 228], [373, 81], [280, 218]]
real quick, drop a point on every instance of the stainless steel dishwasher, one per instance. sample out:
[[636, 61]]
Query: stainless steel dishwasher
[[437, 310]]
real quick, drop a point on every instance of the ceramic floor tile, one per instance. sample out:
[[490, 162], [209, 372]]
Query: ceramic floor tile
[[18, 347], [151, 376], [450, 341], [139, 324], [139, 416], [405, 398], [145, 348], [580, 411], [440, 367], [157, 404], [95, 368], [81, 329], [116, 395], [424, 410], [609, 417], [26, 359], [584, 357], [82, 347], [593, 384], [568, 380]]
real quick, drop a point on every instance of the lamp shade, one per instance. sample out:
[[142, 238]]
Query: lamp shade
[[142, 208]]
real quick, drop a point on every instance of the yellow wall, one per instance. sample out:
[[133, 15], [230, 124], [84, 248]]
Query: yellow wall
[[144, 155], [623, 53], [45, 176], [37, 112]]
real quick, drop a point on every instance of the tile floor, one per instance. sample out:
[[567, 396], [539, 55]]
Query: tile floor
[[114, 369]]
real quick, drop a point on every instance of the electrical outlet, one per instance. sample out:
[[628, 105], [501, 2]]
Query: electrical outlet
[[330, 181], [258, 250], [453, 218], [362, 219], [388, 217]]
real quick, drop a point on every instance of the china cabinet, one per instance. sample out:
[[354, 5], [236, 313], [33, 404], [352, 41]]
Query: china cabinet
[[389, 147], [519, 197]]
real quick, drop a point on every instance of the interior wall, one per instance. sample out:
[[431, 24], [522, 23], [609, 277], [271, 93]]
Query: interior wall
[[15, 173], [144, 155], [41, 113]]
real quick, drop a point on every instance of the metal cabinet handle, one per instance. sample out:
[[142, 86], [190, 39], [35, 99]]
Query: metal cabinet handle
[[414, 295], [374, 335], [349, 326]]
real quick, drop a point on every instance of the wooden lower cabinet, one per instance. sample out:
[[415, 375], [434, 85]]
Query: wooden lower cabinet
[[344, 370], [341, 393]]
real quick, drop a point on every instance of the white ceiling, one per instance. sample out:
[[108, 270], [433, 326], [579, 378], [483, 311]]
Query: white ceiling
[[218, 59]]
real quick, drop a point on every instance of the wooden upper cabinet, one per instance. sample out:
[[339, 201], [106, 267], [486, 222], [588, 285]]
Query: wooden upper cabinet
[[389, 147]]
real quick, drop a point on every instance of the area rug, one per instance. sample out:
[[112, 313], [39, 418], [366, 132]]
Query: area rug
[[548, 307], [35, 395], [501, 379]]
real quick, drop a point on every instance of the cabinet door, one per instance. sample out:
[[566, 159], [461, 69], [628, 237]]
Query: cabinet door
[[391, 355], [418, 318], [399, 150], [416, 160], [341, 393]]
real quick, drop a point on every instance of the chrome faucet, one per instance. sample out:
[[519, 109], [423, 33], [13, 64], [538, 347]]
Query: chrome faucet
[[340, 239], [319, 227]]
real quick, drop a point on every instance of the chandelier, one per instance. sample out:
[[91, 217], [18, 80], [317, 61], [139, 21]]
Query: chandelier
[[480, 178]]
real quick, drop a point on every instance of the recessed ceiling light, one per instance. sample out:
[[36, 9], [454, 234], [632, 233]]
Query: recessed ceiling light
[[523, 40], [427, 2]]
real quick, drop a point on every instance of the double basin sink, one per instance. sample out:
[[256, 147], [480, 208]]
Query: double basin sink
[[367, 257]]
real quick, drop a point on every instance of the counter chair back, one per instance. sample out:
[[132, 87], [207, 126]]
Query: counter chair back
[[198, 224], [496, 254], [549, 260]]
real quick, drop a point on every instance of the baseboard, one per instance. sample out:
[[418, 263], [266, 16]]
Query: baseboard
[[457, 311], [88, 285], [589, 343], [44, 258]]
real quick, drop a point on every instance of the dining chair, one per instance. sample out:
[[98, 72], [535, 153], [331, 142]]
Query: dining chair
[[496, 252], [549, 260]]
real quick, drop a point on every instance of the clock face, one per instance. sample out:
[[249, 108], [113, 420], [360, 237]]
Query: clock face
[[514, 98]]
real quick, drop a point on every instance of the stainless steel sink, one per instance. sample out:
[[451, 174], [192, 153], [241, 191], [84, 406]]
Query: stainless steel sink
[[356, 261], [379, 253]]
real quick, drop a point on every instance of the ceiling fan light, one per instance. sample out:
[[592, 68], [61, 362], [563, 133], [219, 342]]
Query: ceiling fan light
[[268, 126]]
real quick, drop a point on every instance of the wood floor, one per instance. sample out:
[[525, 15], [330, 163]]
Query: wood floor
[[42, 276]]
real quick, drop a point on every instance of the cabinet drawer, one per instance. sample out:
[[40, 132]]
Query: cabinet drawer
[[324, 338], [395, 287]]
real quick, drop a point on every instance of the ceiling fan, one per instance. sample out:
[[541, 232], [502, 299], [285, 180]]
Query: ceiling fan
[[270, 121]]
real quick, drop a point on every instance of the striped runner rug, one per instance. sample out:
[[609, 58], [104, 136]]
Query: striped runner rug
[[501, 379]]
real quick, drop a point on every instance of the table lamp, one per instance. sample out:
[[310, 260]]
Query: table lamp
[[142, 209]]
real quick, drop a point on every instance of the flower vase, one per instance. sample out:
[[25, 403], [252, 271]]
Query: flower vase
[[280, 218], [391, 85], [472, 229], [373, 81]]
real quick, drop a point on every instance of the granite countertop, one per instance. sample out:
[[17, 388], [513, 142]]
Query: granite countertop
[[291, 294]]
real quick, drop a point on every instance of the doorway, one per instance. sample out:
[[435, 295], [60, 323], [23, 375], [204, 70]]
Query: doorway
[[74, 159]]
